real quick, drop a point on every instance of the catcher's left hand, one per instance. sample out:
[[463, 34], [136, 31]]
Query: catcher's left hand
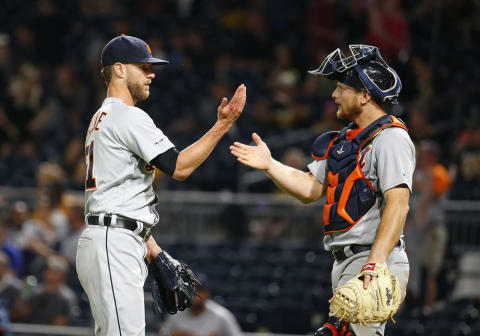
[[173, 284], [378, 303]]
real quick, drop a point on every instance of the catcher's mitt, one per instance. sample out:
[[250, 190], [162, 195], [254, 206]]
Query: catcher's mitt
[[173, 284], [378, 303]]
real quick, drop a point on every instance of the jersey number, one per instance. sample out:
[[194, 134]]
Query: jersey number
[[90, 181]]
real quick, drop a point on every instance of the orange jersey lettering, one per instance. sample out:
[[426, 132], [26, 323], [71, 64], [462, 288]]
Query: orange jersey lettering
[[95, 122]]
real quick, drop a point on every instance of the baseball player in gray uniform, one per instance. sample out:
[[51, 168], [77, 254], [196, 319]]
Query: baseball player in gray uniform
[[365, 172], [122, 146]]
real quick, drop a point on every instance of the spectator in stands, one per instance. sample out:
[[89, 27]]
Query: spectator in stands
[[235, 40], [267, 229], [204, 318], [9, 291], [8, 129], [425, 85], [68, 245], [74, 163], [233, 218], [466, 165], [8, 247], [323, 33], [27, 95], [5, 60], [24, 38], [29, 233], [52, 301], [419, 126], [261, 115], [388, 28], [329, 119], [9, 283], [253, 43], [39, 232], [428, 238], [354, 12], [49, 210], [47, 23], [294, 157], [284, 73]]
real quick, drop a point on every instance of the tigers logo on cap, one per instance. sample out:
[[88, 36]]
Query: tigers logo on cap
[[148, 48]]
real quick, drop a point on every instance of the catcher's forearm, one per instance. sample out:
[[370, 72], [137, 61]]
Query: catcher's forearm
[[391, 224], [301, 185]]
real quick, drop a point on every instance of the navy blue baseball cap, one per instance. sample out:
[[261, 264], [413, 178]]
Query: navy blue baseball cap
[[128, 49]]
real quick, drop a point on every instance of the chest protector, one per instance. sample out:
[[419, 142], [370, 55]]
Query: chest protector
[[349, 194]]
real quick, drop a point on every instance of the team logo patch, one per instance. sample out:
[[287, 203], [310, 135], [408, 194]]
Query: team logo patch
[[158, 142], [340, 151], [362, 156], [148, 48], [368, 267]]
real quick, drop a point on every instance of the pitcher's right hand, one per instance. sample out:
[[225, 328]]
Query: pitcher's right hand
[[230, 111]]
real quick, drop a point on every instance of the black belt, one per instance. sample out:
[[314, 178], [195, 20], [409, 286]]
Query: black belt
[[340, 255], [122, 223]]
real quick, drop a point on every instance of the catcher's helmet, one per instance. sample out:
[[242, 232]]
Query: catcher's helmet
[[365, 69]]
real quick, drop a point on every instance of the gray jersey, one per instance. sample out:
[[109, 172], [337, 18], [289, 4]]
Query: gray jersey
[[387, 162], [121, 141]]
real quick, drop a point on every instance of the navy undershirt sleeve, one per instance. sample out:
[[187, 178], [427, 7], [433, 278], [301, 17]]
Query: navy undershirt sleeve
[[167, 161]]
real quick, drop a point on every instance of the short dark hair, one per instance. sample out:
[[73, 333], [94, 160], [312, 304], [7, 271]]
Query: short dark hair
[[107, 72]]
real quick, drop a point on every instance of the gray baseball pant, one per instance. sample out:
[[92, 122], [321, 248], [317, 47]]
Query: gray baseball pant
[[345, 270]]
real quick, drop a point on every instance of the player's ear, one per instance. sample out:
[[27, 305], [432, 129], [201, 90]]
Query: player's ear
[[120, 70], [365, 98]]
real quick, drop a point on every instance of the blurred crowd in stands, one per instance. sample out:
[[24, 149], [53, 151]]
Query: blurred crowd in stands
[[51, 86], [50, 75]]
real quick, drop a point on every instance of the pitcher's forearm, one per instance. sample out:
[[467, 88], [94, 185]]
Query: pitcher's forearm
[[193, 156]]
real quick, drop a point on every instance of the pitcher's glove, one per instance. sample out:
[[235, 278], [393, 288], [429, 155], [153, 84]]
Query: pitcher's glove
[[173, 284], [378, 303]]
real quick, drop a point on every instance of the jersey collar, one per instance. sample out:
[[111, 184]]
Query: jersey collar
[[111, 100]]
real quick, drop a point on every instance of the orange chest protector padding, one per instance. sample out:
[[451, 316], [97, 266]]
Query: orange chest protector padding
[[349, 194]]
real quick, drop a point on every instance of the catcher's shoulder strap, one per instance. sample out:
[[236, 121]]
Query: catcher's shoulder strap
[[377, 127], [349, 194], [322, 145]]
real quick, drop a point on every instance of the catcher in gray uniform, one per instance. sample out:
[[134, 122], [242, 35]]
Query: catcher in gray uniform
[[122, 146], [365, 171]]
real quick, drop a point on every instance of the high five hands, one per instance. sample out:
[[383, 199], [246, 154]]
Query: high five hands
[[258, 157]]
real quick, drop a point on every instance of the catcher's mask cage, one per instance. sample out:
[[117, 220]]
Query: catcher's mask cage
[[358, 69]]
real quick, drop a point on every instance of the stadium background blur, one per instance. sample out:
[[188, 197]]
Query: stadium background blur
[[259, 257]]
